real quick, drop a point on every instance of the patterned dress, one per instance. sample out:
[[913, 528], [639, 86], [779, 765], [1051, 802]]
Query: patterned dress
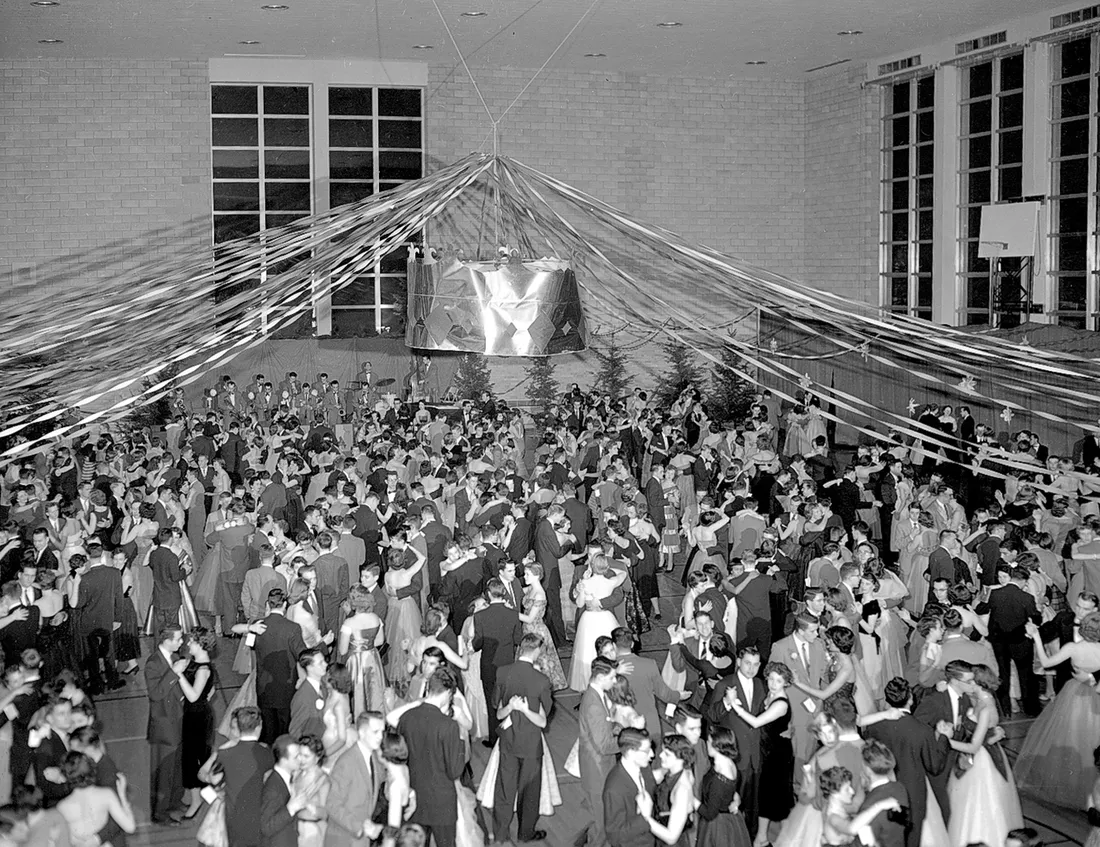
[[548, 661]]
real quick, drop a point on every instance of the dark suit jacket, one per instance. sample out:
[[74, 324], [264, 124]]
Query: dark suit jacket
[[649, 687], [459, 588], [547, 548], [436, 759], [522, 739], [50, 753], [580, 520], [165, 701], [277, 826], [165, 566], [99, 599], [332, 588], [1060, 629], [623, 825], [887, 832], [520, 544], [497, 633], [1009, 608], [305, 717], [243, 767], [276, 653], [921, 754], [935, 706], [19, 635], [748, 738], [655, 503]]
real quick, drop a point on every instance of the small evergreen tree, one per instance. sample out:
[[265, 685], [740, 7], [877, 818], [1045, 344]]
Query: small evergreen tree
[[472, 377], [158, 413], [732, 393], [682, 372], [612, 377], [542, 388]]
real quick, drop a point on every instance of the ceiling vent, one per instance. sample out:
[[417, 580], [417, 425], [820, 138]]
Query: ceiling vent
[[983, 43], [1078, 16], [899, 65]]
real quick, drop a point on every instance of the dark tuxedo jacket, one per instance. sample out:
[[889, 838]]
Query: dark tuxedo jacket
[[243, 767], [436, 759], [305, 717], [19, 635], [580, 520], [24, 708], [165, 701], [276, 653], [547, 549], [50, 753], [459, 588], [332, 587], [522, 739], [1060, 629], [520, 544], [99, 599], [748, 738], [887, 832], [167, 575], [623, 825], [935, 706], [277, 826], [497, 633], [1009, 608], [921, 755]]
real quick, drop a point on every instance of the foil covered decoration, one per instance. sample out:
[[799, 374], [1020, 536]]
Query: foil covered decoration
[[505, 308]]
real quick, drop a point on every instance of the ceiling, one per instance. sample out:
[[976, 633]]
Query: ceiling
[[716, 39]]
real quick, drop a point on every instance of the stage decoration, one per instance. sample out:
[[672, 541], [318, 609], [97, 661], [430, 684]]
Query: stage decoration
[[912, 407], [1007, 415], [968, 385], [510, 307]]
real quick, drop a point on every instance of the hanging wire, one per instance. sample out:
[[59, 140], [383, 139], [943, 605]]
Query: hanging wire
[[469, 73]]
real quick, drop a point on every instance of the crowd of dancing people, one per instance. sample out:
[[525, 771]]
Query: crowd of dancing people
[[397, 584]]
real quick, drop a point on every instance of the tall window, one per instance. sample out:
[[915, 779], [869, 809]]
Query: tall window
[[991, 158], [271, 164], [908, 133], [1074, 149]]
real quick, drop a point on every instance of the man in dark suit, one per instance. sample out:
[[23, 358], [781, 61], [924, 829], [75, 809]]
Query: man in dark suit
[[21, 712], [945, 711], [277, 647], [744, 687], [645, 681], [163, 676], [307, 707], [513, 587], [436, 537], [436, 758], [579, 515], [96, 590], [547, 552], [278, 810], [459, 586], [1010, 607], [497, 634], [242, 768], [630, 779], [167, 575], [886, 491], [522, 699], [22, 633], [1064, 628], [518, 533], [878, 773], [704, 657], [51, 750], [332, 582], [920, 753], [11, 551]]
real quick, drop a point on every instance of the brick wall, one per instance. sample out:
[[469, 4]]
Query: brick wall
[[102, 164]]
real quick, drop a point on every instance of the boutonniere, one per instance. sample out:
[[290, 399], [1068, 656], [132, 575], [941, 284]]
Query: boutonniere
[[794, 655], [320, 704]]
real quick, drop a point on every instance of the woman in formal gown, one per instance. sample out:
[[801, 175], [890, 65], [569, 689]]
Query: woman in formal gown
[[403, 616], [718, 826], [797, 441], [193, 500], [310, 787], [776, 796], [645, 573], [398, 800], [920, 547], [301, 611], [675, 826], [340, 732], [198, 714], [840, 828], [471, 674], [597, 584], [843, 673], [893, 629], [704, 540], [533, 619], [138, 530], [360, 638], [982, 791], [89, 808], [1055, 761]]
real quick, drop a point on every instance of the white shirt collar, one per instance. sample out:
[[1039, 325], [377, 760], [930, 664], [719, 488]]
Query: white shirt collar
[[284, 773]]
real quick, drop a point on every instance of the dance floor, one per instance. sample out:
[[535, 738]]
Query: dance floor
[[124, 716]]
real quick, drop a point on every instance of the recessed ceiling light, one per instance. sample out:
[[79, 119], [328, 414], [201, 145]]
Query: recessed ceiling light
[[474, 14], [248, 42], [595, 55], [44, 3], [850, 32], [756, 62], [275, 7], [669, 23], [50, 41], [423, 47]]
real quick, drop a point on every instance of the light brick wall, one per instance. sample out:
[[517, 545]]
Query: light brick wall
[[103, 164]]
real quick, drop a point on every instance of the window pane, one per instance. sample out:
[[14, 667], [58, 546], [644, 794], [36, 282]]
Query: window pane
[[236, 164], [977, 293], [1012, 184], [924, 291], [924, 259], [1012, 111], [1071, 252], [286, 164], [233, 99], [1012, 72], [1072, 215], [235, 132], [926, 126], [925, 192], [388, 186], [900, 162], [980, 79], [358, 292], [978, 152], [900, 131], [236, 196], [899, 258], [399, 165], [276, 221], [899, 227], [926, 91], [973, 262], [1076, 57], [349, 101], [924, 226], [978, 184], [395, 262], [393, 321], [402, 134], [399, 102], [1073, 99], [340, 193], [286, 100], [229, 227], [287, 196], [1012, 147], [901, 195], [348, 164], [899, 292], [353, 323], [926, 160], [286, 132], [393, 290], [1073, 176], [344, 133], [973, 222], [980, 115], [1071, 293]]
